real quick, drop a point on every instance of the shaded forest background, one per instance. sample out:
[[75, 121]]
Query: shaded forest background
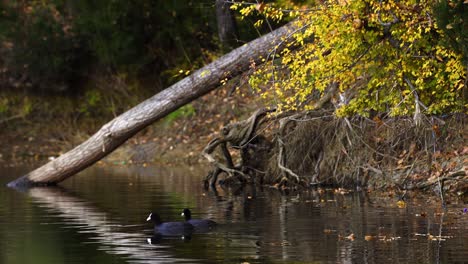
[[66, 67]]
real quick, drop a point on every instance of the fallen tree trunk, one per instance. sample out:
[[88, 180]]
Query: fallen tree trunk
[[117, 131]]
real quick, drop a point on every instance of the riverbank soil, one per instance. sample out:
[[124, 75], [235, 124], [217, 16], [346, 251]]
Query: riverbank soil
[[180, 137], [316, 148], [378, 153]]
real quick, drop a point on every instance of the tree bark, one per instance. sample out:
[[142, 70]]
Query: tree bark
[[121, 128], [227, 27]]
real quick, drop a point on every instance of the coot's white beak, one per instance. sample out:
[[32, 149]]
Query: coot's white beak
[[149, 217], [182, 214]]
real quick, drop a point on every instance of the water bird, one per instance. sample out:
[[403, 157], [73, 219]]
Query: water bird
[[201, 225], [170, 228]]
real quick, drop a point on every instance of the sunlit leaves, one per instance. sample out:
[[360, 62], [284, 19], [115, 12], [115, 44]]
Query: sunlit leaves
[[383, 54]]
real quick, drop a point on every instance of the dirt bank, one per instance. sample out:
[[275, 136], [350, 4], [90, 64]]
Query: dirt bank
[[377, 154]]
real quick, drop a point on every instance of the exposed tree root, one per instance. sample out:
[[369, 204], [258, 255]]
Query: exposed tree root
[[316, 148], [240, 135]]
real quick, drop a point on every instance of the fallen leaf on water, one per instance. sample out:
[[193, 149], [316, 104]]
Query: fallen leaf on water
[[401, 204], [433, 237], [388, 238], [369, 237], [351, 237], [341, 191]]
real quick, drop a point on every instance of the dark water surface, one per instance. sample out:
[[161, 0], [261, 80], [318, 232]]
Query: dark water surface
[[99, 217]]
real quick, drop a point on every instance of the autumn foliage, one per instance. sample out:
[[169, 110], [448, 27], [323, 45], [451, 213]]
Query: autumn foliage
[[385, 56]]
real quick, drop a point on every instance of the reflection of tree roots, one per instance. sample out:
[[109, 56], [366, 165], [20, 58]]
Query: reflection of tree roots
[[235, 176]]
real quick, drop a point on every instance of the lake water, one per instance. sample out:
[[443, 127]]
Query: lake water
[[99, 216]]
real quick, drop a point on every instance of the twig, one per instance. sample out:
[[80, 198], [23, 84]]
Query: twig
[[404, 181], [280, 161], [11, 118], [429, 183], [281, 166], [417, 103]]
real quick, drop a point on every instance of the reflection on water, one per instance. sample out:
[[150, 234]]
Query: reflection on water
[[110, 236], [99, 217]]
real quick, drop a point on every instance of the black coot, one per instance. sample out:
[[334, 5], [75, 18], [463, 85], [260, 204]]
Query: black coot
[[170, 228], [201, 225]]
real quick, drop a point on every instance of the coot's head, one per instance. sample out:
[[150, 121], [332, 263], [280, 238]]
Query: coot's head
[[155, 218], [187, 214]]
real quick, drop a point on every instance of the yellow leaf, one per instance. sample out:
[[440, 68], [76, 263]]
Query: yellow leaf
[[401, 204], [260, 7]]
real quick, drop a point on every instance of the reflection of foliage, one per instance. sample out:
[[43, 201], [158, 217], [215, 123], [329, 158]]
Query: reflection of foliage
[[386, 56]]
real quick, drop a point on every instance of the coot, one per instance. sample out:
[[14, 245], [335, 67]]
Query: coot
[[170, 228], [201, 225]]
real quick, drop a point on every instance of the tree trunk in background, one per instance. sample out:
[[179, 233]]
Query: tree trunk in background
[[227, 28], [121, 128]]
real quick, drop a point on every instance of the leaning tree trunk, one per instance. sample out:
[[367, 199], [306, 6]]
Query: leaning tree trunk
[[117, 131]]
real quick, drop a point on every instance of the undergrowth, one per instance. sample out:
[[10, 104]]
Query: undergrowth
[[375, 152]]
